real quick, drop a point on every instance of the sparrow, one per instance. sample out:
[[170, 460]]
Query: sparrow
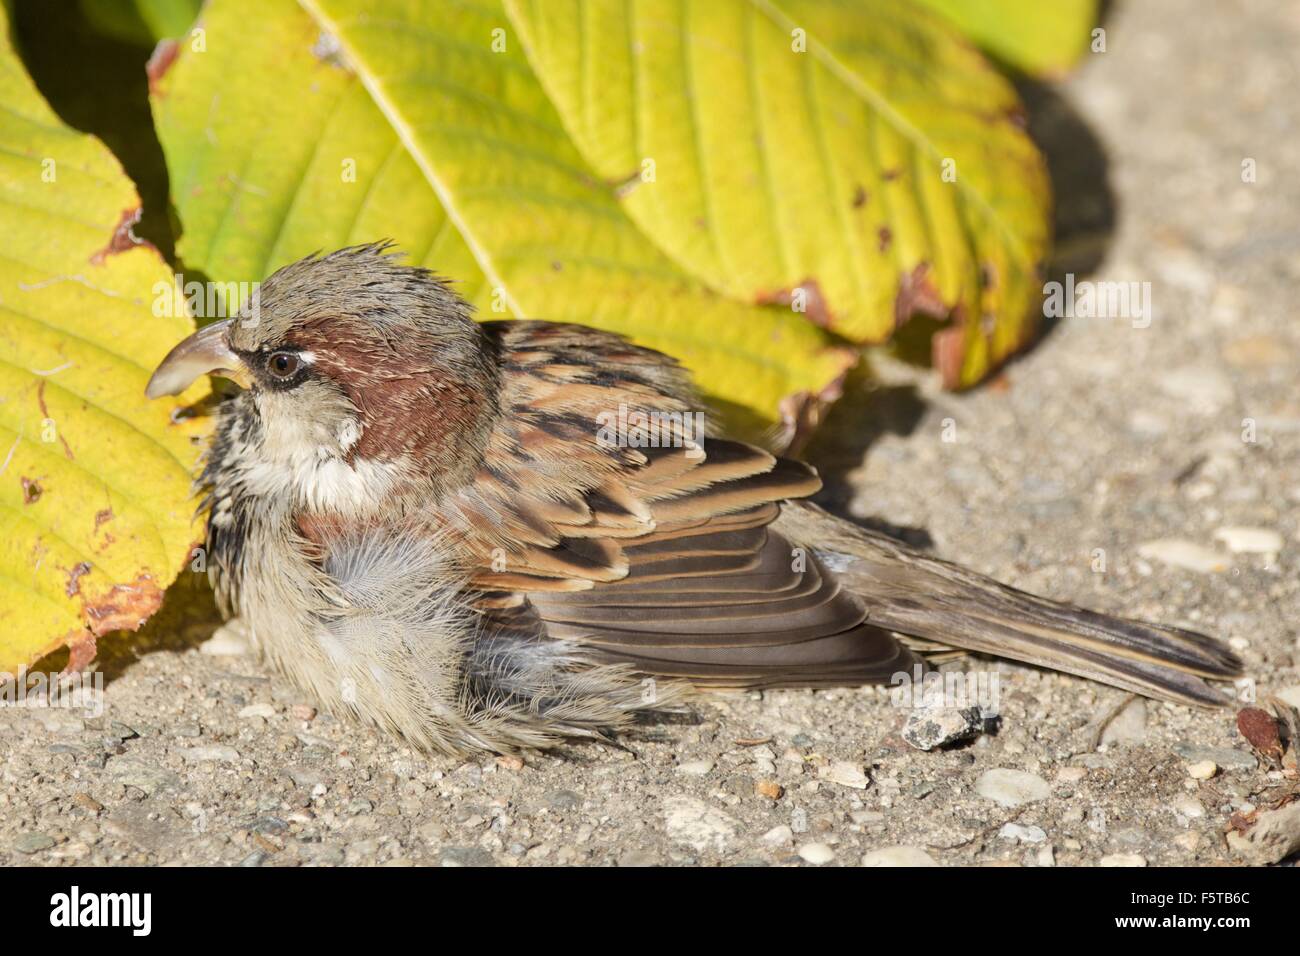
[[422, 521]]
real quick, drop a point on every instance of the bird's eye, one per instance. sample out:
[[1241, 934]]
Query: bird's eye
[[282, 364]]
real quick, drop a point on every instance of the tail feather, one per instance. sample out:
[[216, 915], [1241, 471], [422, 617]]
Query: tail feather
[[918, 595]]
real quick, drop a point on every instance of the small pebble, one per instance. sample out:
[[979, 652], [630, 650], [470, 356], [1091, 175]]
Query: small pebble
[[1022, 834], [845, 774], [698, 824], [1202, 769], [213, 752], [930, 727], [695, 768], [1011, 788], [778, 836], [88, 803], [1228, 758], [1184, 554], [226, 641], [33, 843], [1129, 726], [1290, 695], [1273, 835], [258, 710], [816, 853], [769, 788], [458, 856], [1249, 540], [898, 856], [1122, 859]]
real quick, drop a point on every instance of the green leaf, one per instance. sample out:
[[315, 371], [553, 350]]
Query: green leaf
[[1042, 37], [339, 125], [857, 152], [95, 502]]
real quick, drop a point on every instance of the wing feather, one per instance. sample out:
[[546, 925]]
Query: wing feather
[[658, 557]]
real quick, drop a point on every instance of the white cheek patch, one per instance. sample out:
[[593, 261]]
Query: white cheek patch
[[305, 460]]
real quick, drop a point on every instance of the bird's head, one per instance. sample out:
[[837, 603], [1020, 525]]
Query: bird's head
[[361, 375]]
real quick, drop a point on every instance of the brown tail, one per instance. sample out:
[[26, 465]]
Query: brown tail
[[917, 595]]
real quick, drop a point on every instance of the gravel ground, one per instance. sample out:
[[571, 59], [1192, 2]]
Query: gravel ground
[[1106, 441]]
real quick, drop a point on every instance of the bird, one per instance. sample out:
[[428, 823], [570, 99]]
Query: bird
[[507, 534]]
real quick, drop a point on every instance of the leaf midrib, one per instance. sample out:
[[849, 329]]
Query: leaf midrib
[[405, 135]]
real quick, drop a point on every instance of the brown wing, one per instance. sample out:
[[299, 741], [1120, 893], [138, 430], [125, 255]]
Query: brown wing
[[660, 557]]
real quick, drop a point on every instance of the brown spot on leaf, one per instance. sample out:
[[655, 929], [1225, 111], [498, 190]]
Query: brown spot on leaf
[[160, 61], [81, 651], [917, 294], [122, 239], [948, 350], [124, 608], [860, 197], [885, 237], [988, 275], [1262, 730], [103, 516], [32, 490], [801, 413], [889, 175], [810, 297], [74, 579]]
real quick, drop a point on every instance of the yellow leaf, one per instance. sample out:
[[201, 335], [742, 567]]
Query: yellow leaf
[[425, 124], [1043, 37], [95, 502], [857, 155]]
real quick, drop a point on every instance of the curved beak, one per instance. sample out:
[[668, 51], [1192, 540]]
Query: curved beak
[[206, 352]]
